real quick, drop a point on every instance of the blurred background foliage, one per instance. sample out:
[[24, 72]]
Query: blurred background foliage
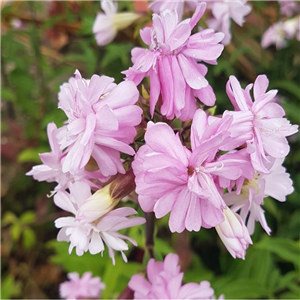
[[42, 44]]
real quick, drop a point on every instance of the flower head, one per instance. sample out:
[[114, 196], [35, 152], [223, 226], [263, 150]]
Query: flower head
[[223, 11], [171, 63], [86, 287], [172, 178], [280, 32], [86, 235], [165, 282], [51, 169], [269, 127], [158, 6], [249, 199], [289, 8], [101, 120], [107, 25]]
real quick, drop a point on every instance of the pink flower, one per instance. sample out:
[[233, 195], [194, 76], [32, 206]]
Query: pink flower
[[51, 169], [249, 199], [289, 8], [101, 120], [107, 25], [165, 282], [171, 63], [86, 287], [172, 178], [280, 32], [269, 127], [91, 236], [223, 11], [158, 6], [234, 234]]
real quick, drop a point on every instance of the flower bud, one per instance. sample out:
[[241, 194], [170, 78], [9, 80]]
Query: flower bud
[[96, 206], [123, 20], [105, 199], [234, 234]]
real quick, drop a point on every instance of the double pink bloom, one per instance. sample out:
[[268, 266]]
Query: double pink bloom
[[171, 63], [270, 129], [86, 287], [172, 178], [101, 119], [165, 282]]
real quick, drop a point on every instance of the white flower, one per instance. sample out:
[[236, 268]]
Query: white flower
[[107, 25]]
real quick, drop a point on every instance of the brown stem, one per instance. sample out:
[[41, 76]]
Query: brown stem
[[150, 222]]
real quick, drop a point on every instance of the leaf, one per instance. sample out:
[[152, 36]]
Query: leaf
[[31, 155], [7, 94], [29, 238], [87, 25], [8, 218], [16, 231], [27, 217], [10, 288], [73, 263], [286, 249], [241, 288], [162, 246], [289, 86]]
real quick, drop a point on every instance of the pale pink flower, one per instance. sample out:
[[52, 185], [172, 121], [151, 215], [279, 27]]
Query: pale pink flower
[[158, 6], [289, 8], [282, 31], [91, 236], [101, 120], [165, 282], [51, 169], [108, 23], [86, 287], [171, 63], [234, 234], [276, 184], [172, 178], [225, 10], [269, 127]]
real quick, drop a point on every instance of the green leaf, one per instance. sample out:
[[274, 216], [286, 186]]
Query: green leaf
[[73, 263], [31, 155], [8, 218], [162, 246], [240, 288], [7, 94], [289, 86], [87, 25], [29, 238], [27, 217], [16, 231], [286, 249], [10, 288]]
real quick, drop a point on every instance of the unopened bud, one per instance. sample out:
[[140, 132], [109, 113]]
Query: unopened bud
[[123, 185], [99, 204], [234, 234], [105, 199], [123, 20]]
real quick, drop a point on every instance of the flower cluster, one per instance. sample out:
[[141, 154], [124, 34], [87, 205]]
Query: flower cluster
[[172, 63], [165, 282], [101, 119], [213, 172], [86, 287], [222, 12], [189, 183]]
